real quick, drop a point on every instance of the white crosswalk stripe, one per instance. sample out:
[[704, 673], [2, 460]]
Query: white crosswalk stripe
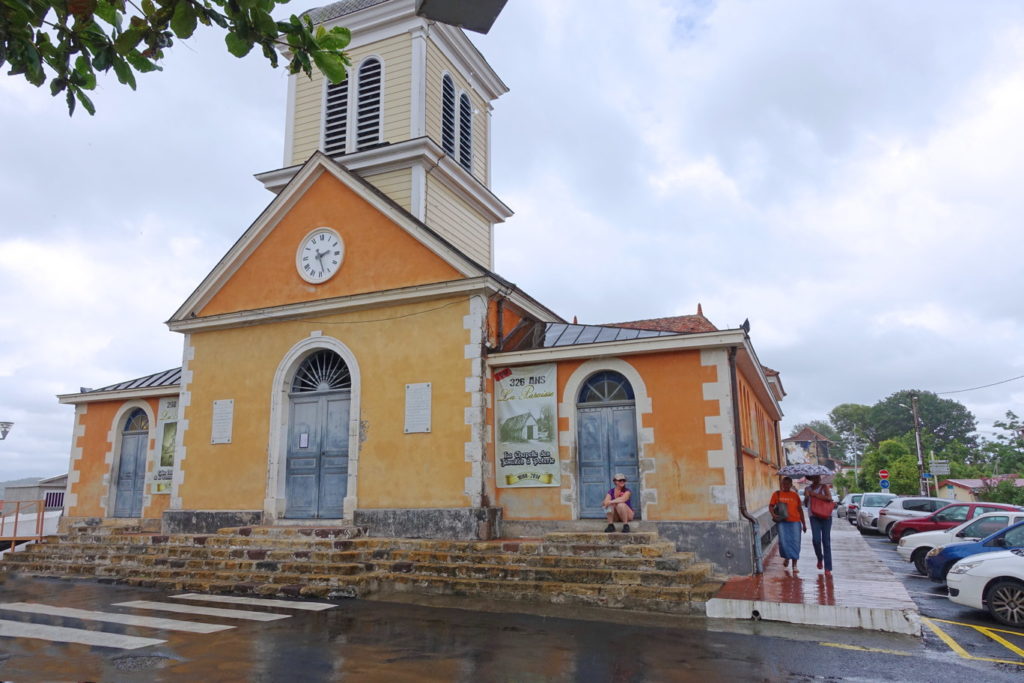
[[209, 611], [17, 629], [113, 617], [256, 602]]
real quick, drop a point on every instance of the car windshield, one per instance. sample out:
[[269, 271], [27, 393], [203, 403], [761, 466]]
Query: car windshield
[[875, 501]]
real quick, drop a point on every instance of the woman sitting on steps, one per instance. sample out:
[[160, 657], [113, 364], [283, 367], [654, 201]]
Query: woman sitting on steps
[[617, 505]]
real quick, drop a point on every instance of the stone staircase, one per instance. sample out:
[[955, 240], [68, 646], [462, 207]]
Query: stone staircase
[[627, 571]]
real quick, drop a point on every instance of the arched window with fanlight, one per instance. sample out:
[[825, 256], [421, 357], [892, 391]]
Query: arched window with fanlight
[[368, 103], [324, 370], [606, 440]]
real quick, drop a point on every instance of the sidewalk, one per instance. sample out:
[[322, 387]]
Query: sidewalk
[[860, 593]]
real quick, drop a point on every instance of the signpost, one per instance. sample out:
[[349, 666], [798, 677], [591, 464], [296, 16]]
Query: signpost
[[884, 483], [883, 474]]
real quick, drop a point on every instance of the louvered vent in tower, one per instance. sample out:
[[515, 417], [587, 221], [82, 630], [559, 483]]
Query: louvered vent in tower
[[336, 119], [369, 105], [465, 132], [448, 115]]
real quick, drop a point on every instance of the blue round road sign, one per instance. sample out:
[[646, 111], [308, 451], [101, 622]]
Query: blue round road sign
[[884, 483]]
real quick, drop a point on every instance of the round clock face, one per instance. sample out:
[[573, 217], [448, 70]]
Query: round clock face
[[320, 255]]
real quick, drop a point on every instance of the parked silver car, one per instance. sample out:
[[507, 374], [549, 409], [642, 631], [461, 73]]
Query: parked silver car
[[906, 508], [867, 515], [848, 507]]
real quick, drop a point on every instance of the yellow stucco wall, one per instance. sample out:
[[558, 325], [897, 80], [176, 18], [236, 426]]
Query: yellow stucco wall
[[395, 345], [379, 255], [682, 477]]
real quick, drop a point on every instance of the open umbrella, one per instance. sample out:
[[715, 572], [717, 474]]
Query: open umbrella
[[804, 470]]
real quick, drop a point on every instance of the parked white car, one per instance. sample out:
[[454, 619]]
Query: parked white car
[[905, 508], [915, 547], [867, 514], [991, 581], [844, 505]]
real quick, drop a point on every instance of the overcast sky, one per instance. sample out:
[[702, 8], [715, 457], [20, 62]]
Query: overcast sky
[[845, 175]]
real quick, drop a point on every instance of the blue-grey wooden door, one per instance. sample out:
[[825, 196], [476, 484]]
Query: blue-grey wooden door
[[131, 475], [316, 471], [607, 445]]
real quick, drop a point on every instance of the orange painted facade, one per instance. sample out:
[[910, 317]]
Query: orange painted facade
[[379, 255]]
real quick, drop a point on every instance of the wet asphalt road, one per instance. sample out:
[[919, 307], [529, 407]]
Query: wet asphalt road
[[956, 621], [385, 641]]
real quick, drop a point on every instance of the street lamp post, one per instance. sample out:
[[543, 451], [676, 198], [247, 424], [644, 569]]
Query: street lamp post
[[917, 439], [5, 428]]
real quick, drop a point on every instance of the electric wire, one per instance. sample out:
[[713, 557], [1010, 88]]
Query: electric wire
[[983, 386]]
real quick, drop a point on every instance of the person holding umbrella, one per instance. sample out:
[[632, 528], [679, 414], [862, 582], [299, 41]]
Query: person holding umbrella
[[821, 507], [788, 514]]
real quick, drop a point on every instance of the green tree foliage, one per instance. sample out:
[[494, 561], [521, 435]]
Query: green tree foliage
[[68, 42], [1003, 492], [852, 425], [886, 457], [943, 420], [1006, 452]]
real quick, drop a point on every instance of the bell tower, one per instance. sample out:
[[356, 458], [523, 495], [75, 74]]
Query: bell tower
[[413, 118]]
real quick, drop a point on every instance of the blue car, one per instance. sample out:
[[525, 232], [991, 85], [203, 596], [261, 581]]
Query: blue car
[[941, 560]]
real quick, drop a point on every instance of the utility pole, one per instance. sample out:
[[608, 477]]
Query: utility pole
[[917, 438]]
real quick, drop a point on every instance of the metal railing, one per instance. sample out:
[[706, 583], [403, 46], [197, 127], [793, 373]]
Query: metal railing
[[14, 529]]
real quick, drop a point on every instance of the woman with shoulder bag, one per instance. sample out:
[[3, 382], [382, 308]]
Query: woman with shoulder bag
[[788, 514], [821, 505]]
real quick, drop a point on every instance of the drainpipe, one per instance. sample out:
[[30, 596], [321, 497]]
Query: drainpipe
[[755, 528]]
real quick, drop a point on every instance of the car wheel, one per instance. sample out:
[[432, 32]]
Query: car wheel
[[891, 533], [1005, 601], [919, 558]]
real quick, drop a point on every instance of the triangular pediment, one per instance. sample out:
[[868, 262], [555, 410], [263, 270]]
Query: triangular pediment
[[385, 248]]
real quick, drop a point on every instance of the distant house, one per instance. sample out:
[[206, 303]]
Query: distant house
[[809, 446], [973, 490], [50, 490]]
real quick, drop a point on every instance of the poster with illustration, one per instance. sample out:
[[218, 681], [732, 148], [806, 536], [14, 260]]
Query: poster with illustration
[[526, 427], [167, 435]]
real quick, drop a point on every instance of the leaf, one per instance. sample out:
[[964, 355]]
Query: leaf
[[106, 12], [71, 102], [331, 64], [56, 85], [124, 72], [81, 9], [86, 76], [264, 22], [148, 8], [237, 45], [183, 23], [127, 41], [140, 63], [86, 102], [337, 38]]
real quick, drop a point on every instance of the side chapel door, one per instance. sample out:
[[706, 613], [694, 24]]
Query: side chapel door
[[131, 469], [606, 438], [316, 471]]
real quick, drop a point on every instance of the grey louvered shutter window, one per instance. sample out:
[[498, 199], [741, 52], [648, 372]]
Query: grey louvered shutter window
[[465, 132], [369, 105], [336, 118], [448, 115]]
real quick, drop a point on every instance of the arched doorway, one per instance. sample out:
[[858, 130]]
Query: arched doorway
[[606, 438], [131, 465], [316, 468]]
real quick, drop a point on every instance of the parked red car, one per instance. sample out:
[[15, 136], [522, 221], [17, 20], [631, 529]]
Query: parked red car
[[946, 518]]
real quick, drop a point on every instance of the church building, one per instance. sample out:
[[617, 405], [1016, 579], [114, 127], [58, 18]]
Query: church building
[[355, 359]]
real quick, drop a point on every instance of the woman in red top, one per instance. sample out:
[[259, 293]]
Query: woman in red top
[[790, 525]]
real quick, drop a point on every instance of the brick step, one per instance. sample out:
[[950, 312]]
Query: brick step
[[653, 549], [688, 577], [679, 600], [601, 538], [674, 563], [357, 586], [331, 532]]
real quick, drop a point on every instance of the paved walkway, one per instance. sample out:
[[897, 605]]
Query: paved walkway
[[861, 592]]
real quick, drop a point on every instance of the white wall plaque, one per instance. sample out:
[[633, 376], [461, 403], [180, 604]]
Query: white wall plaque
[[417, 408], [223, 415]]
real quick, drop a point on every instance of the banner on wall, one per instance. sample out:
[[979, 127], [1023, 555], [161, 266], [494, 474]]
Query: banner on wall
[[167, 433], [526, 427]]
